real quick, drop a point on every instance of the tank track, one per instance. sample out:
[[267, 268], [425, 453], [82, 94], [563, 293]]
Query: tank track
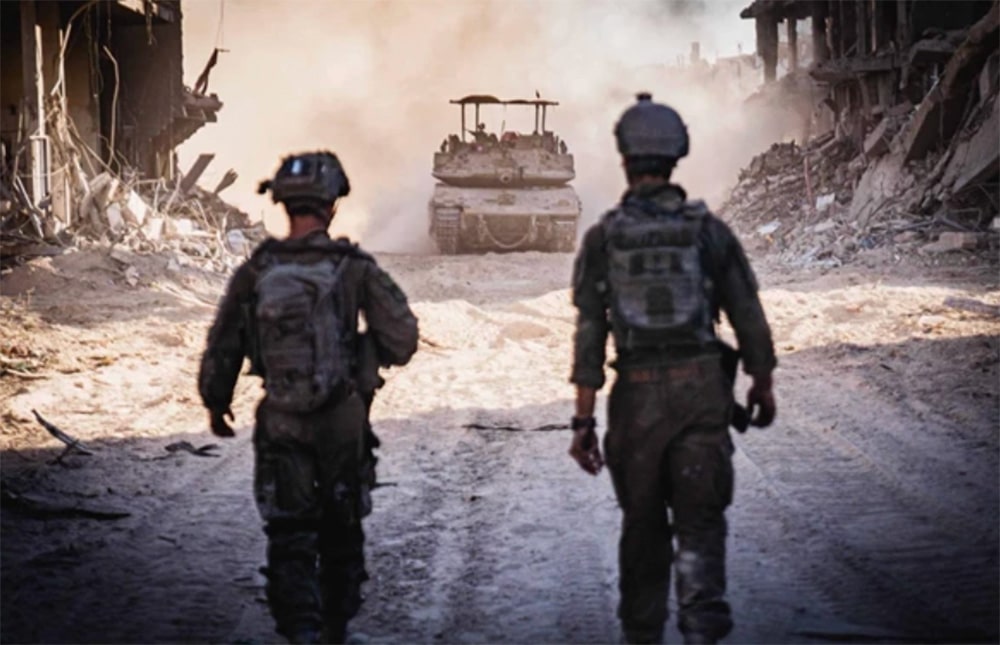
[[446, 235], [565, 238]]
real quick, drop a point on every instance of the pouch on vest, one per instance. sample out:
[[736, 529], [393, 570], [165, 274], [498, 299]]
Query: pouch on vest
[[659, 291], [300, 336]]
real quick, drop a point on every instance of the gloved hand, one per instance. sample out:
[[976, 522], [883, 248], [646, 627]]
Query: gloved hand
[[585, 448], [760, 402], [218, 422]]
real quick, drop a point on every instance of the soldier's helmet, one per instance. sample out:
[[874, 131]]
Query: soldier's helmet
[[313, 179], [651, 129]]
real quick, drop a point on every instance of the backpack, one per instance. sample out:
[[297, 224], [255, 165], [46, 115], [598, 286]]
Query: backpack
[[300, 337], [659, 289]]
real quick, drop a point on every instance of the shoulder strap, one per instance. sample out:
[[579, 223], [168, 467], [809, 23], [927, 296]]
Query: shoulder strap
[[695, 208]]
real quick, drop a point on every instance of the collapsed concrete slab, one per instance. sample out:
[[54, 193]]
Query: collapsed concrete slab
[[877, 141], [976, 159], [940, 113]]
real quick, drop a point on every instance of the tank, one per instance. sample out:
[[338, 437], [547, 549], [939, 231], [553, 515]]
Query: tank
[[503, 191]]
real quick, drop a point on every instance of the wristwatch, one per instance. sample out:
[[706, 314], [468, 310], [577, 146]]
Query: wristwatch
[[583, 423]]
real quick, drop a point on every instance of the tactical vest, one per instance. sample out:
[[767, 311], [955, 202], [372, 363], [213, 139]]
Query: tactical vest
[[300, 336], [659, 291]]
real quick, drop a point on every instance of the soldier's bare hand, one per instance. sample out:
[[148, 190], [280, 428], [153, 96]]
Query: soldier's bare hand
[[586, 450], [217, 420], [760, 402]]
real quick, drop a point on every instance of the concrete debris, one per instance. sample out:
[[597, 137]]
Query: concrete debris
[[144, 216], [132, 276], [877, 141], [237, 242], [153, 228], [769, 228], [823, 202], [824, 226], [940, 113], [953, 241], [930, 52], [114, 216]]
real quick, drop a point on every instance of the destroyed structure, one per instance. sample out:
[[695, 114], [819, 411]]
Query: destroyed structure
[[903, 143], [94, 107]]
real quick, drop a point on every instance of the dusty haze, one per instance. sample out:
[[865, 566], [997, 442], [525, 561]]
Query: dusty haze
[[371, 81]]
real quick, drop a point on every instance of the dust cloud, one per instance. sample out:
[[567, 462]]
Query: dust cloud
[[371, 81]]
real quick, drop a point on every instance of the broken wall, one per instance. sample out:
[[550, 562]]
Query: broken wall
[[149, 60], [88, 88], [11, 82]]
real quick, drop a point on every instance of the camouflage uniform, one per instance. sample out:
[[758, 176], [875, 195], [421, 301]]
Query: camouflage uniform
[[308, 470], [667, 443]]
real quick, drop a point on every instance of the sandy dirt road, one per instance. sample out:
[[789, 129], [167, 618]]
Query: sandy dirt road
[[869, 512]]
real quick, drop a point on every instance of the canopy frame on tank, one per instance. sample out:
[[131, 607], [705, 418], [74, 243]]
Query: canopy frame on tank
[[541, 107]]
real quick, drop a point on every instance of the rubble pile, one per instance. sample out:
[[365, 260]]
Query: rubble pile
[[121, 209], [919, 178], [797, 201]]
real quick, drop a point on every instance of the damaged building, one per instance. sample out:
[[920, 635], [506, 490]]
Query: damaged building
[[873, 58], [90, 87], [903, 143]]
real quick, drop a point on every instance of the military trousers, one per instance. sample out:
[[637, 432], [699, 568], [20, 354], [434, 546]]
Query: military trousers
[[670, 456], [307, 488]]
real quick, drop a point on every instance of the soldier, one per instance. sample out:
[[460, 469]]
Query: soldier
[[480, 135], [292, 309], [654, 272]]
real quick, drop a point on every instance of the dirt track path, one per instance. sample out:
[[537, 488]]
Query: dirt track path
[[868, 512]]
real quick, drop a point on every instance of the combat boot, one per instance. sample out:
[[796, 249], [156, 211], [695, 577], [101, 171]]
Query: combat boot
[[305, 636], [633, 637]]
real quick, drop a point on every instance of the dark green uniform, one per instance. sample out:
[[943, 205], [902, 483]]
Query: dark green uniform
[[308, 470], [667, 443]]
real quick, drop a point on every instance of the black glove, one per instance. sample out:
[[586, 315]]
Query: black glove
[[760, 402], [218, 422]]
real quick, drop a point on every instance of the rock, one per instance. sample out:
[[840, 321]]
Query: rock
[[824, 202], [180, 227], [237, 242], [113, 213], [769, 228], [977, 159], [931, 322], [120, 256], [153, 228], [953, 241], [132, 276], [135, 209], [824, 226]]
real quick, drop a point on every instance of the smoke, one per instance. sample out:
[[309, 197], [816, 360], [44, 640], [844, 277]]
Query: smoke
[[371, 81]]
